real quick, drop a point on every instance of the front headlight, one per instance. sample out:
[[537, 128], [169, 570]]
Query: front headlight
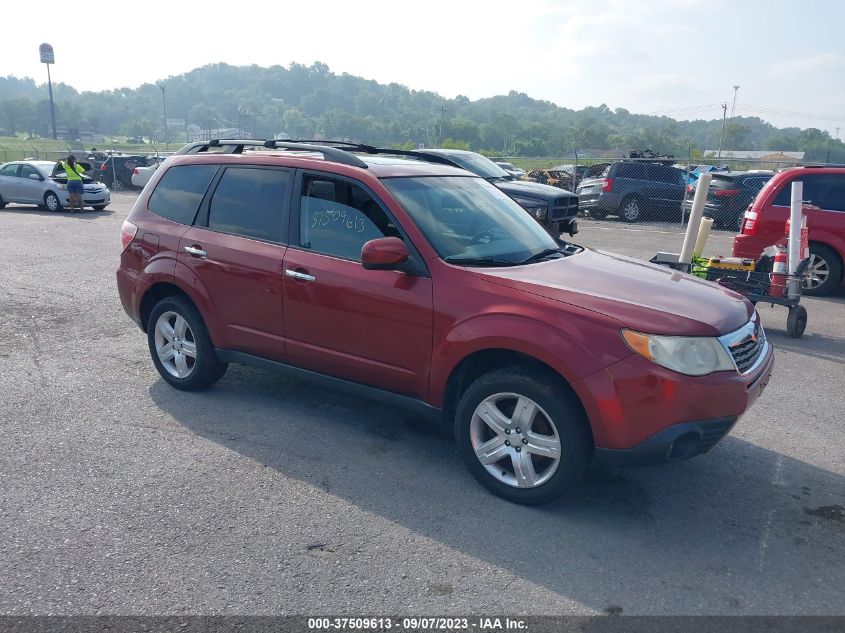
[[537, 208], [690, 355]]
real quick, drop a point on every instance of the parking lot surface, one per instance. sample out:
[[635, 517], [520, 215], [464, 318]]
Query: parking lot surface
[[265, 495]]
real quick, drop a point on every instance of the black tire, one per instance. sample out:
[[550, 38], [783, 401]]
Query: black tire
[[631, 210], [206, 369], [52, 202], [563, 410], [2, 203], [99, 207], [796, 322], [827, 258]]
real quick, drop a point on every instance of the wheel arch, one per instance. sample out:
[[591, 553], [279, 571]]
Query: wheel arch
[[482, 361], [158, 291]]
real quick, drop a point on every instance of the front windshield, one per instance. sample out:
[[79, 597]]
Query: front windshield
[[480, 165], [468, 219]]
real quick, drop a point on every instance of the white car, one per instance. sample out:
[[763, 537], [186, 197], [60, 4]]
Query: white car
[[141, 175], [44, 183]]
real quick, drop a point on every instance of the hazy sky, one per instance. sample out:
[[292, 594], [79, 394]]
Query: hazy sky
[[678, 57]]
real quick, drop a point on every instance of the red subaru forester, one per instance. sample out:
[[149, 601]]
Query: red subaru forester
[[426, 286]]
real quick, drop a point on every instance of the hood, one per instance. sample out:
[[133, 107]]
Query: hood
[[642, 296], [525, 188]]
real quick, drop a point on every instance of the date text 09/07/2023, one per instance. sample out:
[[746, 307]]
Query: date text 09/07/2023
[[484, 624]]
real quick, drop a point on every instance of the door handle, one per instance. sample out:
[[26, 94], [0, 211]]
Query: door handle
[[193, 250], [295, 274]]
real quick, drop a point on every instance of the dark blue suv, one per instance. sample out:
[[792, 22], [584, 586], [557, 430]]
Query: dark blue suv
[[634, 191]]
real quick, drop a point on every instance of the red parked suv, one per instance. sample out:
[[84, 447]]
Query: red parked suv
[[426, 286], [824, 206]]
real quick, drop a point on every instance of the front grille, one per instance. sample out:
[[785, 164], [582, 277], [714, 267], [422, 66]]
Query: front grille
[[565, 207], [94, 200], [747, 351]]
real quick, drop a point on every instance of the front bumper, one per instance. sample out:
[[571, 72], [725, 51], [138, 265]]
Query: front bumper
[[641, 413], [89, 198]]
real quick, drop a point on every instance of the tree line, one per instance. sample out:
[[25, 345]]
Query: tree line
[[311, 101]]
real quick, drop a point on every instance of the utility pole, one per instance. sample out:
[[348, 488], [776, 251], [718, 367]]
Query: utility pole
[[733, 107], [164, 107], [440, 136], [837, 134], [722, 133]]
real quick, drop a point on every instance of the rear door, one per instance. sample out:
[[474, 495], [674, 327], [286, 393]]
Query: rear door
[[368, 326], [667, 185], [235, 249]]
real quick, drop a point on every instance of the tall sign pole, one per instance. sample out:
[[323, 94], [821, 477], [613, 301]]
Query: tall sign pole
[[48, 57]]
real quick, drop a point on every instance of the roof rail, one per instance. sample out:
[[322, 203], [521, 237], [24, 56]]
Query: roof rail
[[369, 149], [236, 146], [333, 154]]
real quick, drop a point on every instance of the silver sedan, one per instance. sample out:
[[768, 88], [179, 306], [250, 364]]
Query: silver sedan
[[45, 184]]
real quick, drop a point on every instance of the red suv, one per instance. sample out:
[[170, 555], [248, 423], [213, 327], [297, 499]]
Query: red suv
[[824, 206], [426, 286]]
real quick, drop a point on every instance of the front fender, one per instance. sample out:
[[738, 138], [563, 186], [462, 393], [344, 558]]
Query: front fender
[[574, 354]]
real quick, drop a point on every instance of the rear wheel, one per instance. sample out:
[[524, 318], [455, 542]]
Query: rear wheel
[[180, 346], [824, 271], [631, 210], [522, 435], [51, 201]]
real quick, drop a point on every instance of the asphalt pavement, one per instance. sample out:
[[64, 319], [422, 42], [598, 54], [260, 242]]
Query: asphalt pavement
[[266, 495]]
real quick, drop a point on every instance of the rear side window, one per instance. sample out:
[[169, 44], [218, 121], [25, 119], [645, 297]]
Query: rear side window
[[668, 175], [9, 170], [180, 191], [630, 170], [251, 203], [826, 191]]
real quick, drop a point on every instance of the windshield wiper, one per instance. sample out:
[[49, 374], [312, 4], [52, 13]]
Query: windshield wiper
[[479, 261], [541, 255]]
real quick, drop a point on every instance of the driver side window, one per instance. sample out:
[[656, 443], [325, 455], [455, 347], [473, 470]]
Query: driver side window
[[337, 218], [27, 171]]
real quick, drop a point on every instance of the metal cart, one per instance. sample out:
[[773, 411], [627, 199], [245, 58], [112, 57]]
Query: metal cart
[[761, 286]]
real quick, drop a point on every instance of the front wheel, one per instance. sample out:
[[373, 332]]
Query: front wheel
[[52, 202], [522, 435], [180, 346], [796, 322], [99, 207], [2, 203]]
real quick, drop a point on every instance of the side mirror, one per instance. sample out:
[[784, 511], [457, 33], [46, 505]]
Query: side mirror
[[35, 177], [384, 253]]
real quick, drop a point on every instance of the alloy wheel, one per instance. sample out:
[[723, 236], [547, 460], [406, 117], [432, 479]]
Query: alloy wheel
[[175, 345], [515, 440], [818, 271]]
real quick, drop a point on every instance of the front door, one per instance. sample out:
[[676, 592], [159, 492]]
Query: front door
[[29, 190], [235, 249], [368, 326]]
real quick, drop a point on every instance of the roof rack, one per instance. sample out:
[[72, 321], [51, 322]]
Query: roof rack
[[236, 146], [369, 149]]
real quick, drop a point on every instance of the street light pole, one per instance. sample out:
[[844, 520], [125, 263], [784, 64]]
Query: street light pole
[[164, 107]]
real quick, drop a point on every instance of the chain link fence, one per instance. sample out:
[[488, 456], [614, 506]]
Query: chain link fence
[[653, 191]]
